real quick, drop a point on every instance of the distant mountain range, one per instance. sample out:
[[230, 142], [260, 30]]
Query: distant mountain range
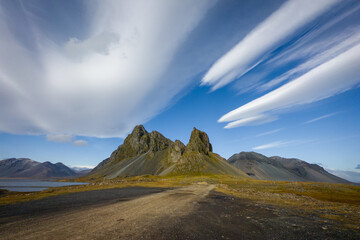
[[27, 168], [258, 166], [145, 153]]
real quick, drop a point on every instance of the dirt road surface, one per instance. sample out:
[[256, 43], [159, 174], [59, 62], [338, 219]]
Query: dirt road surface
[[192, 212], [122, 220]]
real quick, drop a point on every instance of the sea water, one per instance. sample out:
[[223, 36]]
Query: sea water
[[32, 185]]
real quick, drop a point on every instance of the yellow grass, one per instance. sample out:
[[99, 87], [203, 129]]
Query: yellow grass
[[339, 202]]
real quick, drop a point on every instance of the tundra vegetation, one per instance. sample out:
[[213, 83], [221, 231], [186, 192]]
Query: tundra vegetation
[[340, 202]]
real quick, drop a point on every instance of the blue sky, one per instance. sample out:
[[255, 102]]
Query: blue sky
[[277, 77]]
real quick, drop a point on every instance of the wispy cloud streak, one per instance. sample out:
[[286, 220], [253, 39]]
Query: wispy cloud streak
[[80, 143], [263, 39], [278, 144], [269, 132], [252, 121], [333, 77], [320, 118], [318, 53], [271, 145]]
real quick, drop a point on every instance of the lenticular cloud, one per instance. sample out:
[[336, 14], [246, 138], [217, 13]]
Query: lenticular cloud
[[333, 77], [244, 56]]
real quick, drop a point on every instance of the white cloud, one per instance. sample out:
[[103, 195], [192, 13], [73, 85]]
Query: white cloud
[[100, 85], [252, 121], [271, 145], [263, 39], [277, 144], [65, 138], [100, 44], [333, 77], [80, 143], [269, 132], [320, 118], [62, 138], [318, 53]]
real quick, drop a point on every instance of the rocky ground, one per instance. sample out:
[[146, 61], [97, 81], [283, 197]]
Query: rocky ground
[[192, 212]]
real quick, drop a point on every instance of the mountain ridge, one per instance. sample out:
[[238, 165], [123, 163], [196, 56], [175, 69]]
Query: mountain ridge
[[260, 167], [28, 168]]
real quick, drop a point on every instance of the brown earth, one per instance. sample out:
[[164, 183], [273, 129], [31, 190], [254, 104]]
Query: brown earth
[[192, 212]]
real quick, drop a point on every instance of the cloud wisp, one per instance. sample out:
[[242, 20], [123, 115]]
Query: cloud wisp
[[320, 118], [266, 37], [252, 121], [65, 138], [101, 83], [269, 132], [333, 77], [271, 145], [80, 143], [278, 144]]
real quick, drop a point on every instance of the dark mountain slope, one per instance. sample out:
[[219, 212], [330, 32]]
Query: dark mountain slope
[[309, 172], [282, 169], [27, 168], [12, 167]]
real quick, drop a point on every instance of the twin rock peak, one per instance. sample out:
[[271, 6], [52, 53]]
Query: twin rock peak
[[142, 141], [144, 153]]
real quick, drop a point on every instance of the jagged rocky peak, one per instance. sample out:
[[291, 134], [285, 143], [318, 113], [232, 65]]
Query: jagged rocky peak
[[134, 144], [199, 142], [137, 134], [158, 142], [176, 151], [179, 146], [141, 141]]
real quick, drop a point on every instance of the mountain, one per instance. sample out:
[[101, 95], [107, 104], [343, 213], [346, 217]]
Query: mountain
[[82, 170], [151, 153], [258, 166], [11, 167], [27, 168]]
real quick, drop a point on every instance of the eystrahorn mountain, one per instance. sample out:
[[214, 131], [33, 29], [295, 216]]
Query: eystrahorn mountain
[[144, 153]]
